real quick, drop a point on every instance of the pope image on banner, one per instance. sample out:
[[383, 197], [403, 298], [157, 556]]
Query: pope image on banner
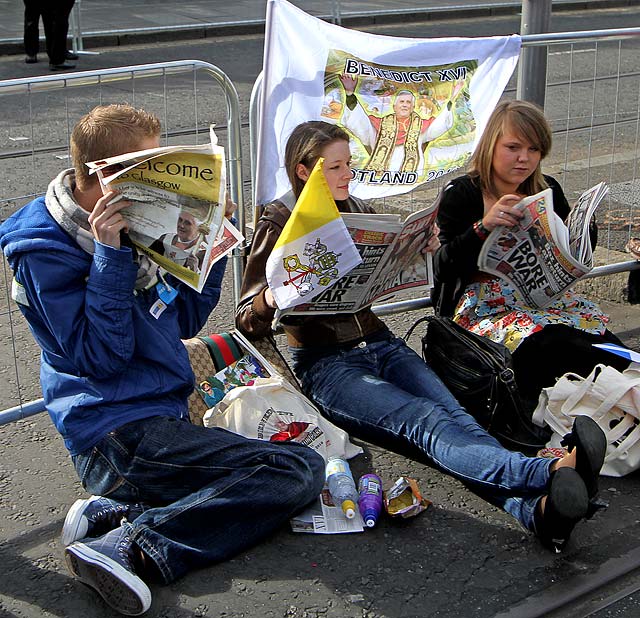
[[414, 108], [314, 248]]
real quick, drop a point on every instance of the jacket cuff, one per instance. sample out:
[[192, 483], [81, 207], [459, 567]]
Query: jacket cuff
[[260, 308], [113, 268], [471, 239]]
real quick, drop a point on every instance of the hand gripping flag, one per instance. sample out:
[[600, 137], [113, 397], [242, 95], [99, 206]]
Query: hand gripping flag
[[314, 249]]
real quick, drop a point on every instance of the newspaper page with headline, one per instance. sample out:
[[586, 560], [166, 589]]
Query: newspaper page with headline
[[392, 262], [543, 256], [177, 196]]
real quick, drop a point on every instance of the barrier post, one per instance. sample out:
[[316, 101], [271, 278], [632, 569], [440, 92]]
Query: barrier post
[[336, 16], [76, 30], [77, 43], [532, 67]]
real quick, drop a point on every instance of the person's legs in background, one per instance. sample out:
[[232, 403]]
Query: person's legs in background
[[31, 32], [55, 17]]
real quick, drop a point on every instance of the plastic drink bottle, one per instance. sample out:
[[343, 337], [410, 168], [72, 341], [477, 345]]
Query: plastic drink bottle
[[342, 487], [370, 500]]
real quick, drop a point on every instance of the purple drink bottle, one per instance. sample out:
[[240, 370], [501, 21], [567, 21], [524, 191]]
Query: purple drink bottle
[[370, 498]]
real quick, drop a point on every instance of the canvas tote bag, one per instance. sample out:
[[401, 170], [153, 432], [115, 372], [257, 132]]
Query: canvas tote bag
[[610, 398], [272, 409]]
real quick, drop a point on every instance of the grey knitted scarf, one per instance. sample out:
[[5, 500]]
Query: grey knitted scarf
[[74, 220]]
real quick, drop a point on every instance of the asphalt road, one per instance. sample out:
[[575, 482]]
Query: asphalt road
[[460, 558]]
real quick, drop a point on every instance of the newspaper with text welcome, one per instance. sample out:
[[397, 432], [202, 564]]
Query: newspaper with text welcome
[[392, 262], [543, 256], [177, 196]]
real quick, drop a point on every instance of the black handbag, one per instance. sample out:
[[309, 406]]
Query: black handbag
[[479, 374]]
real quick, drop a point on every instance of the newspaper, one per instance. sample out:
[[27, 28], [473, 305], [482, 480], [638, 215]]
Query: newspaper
[[543, 256], [178, 204], [324, 517], [242, 372], [392, 262]]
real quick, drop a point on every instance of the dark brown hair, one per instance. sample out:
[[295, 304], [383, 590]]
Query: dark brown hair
[[305, 145]]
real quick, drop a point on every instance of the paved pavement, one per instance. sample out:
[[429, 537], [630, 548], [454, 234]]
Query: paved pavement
[[102, 20]]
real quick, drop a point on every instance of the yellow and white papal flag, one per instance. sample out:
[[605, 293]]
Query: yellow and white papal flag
[[314, 249]]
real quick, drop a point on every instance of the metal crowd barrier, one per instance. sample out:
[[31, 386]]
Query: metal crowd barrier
[[591, 137], [40, 113], [252, 15]]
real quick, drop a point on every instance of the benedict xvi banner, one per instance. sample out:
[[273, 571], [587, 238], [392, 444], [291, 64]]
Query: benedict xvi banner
[[414, 108]]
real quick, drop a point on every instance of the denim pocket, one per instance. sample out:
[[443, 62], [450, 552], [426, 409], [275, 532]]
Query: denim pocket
[[97, 474]]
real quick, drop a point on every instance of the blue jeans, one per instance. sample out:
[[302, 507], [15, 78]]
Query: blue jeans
[[381, 391], [211, 493]]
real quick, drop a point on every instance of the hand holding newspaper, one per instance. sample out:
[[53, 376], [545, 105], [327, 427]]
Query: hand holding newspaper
[[543, 256], [314, 248], [177, 196], [392, 261]]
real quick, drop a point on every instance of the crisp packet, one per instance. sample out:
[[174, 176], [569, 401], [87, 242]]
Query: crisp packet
[[404, 499]]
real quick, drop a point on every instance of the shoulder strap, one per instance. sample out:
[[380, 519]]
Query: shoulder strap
[[419, 321], [223, 349]]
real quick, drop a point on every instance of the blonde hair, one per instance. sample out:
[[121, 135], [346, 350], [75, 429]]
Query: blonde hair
[[107, 131], [523, 119]]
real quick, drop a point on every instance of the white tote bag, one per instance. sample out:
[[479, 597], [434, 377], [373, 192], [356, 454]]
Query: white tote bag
[[272, 409], [610, 398]]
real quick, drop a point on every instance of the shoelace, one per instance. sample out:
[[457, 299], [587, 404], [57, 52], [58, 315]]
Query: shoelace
[[124, 551], [112, 514]]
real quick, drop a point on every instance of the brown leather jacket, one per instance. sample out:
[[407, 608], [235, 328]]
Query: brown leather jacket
[[254, 317]]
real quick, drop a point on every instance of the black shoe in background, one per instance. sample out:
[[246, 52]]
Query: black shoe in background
[[65, 66], [69, 55], [31, 59]]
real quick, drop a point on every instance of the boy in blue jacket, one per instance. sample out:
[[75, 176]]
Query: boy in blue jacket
[[169, 496]]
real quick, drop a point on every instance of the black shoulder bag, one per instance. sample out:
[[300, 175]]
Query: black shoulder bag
[[479, 374]]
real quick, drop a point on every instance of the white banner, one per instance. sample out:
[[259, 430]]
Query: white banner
[[414, 108]]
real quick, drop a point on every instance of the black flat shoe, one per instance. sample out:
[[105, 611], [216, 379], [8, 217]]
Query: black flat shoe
[[69, 55], [567, 503], [591, 446], [31, 59]]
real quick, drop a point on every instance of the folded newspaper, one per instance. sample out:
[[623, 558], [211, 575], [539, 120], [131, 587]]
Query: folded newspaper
[[324, 517], [543, 256], [392, 262], [178, 205]]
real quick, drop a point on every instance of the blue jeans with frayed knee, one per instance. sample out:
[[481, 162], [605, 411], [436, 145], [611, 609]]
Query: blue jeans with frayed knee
[[383, 392]]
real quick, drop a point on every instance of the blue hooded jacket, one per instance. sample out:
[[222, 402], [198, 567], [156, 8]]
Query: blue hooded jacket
[[106, 361]]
